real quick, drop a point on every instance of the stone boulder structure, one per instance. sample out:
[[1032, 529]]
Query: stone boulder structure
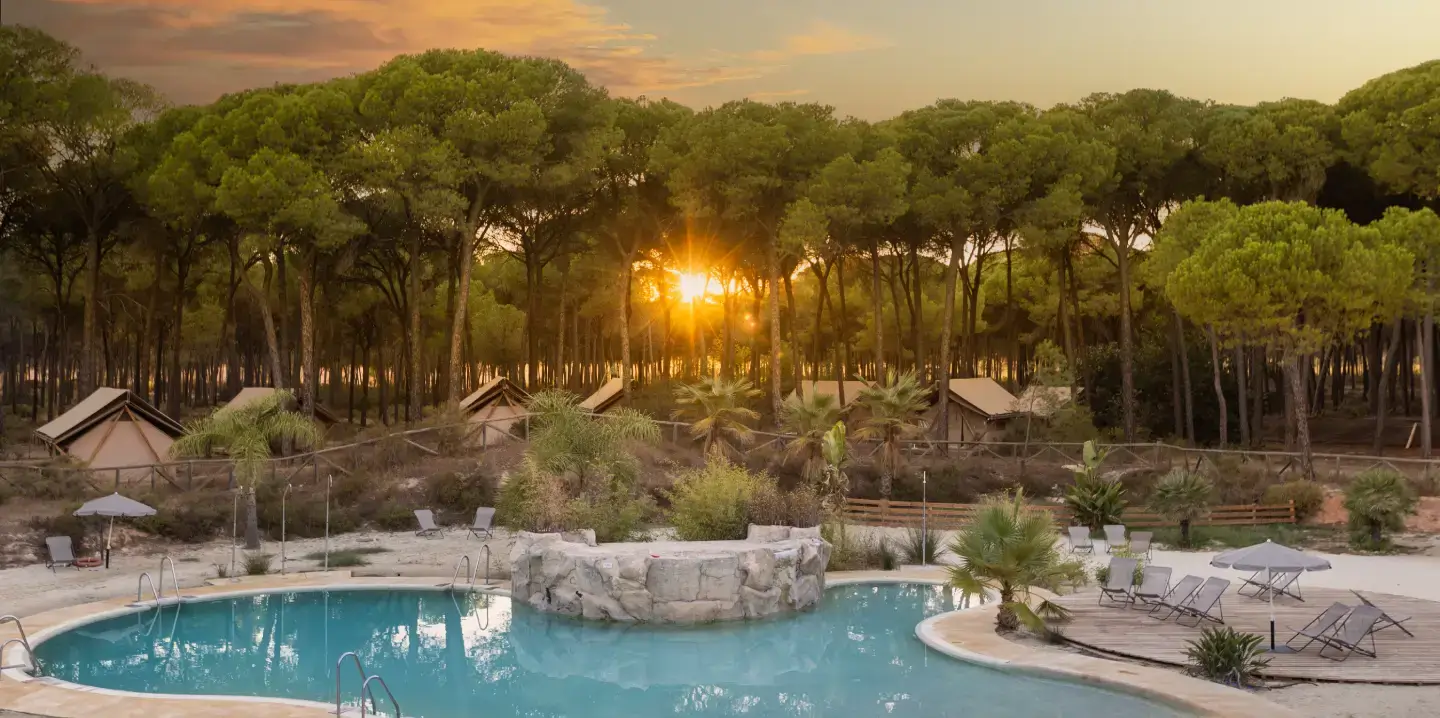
[[777, 569]]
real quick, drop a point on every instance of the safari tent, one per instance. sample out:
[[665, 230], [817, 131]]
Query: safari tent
[[853, 388], [253, 393], [609, 394], [113, 428], [978, 409], [1043, 401], [500, 405]]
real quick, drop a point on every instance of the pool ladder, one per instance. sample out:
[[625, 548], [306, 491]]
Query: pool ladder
[[24, 642], [364, 686], [471, 573], [174, 582]]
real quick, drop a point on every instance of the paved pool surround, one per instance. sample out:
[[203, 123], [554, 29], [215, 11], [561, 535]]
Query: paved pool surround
[[776, 569]]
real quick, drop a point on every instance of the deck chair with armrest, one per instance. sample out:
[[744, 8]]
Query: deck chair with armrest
[[1080, 539], [1119, 581], [1154, 583], [427, 523], [1205, 604], [1386, 620], [1140, 543], [1115, 538], [1347, 637], [1280, 583], [62, 552], [484, 517], [1320, 626], [1178, 594]]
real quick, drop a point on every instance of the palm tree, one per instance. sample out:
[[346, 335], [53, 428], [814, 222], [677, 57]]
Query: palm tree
[[1009, 548], [590, 451], [1182, 496], [716, 410], [1378, 500], [835, 485], [246, 434], [893, 412], [809, 419]]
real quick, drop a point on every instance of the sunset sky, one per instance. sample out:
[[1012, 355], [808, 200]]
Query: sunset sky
[[869, 58]]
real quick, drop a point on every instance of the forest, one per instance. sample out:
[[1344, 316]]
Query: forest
[[384, 242]]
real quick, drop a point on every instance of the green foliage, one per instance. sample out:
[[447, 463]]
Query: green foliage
[[1379, 129], [258, 564], [1102, 571], [246, 433], [391, 517], [1378, 501], [1010, 548], [809, 418], [1226, 655], [850, 551], [1093, 500], [459, 493], [194, 518], [532, 499], [711, 503], [1307, 495], [766, 505], [617, 516], [339, 556], [835, 485], [589, 452], [892, 414], [1183, 497], [717, 412], [922, 546]]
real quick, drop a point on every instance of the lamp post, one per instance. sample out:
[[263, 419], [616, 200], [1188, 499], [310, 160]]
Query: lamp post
[[328, 478], [283, 558], [924, 519], [234, 528]]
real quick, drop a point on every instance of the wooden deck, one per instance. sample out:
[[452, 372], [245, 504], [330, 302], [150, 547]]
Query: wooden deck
[[1133, 633]]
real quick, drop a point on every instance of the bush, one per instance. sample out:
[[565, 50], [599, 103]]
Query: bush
[[533, 500], [391, 517], [459, 493], [1095, 502], [616, 517], [804, 507], [1307, 495], [849, 552], [66, 524], [1238, 481], [767, 505], [1378, 501], [1222, 654], [1102, 572], [712, 503], [191, 518], [258, 564], [1182, 496], [338, 559], [922, 546]]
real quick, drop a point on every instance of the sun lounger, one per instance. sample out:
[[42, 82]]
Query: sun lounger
[[484, 516], [1178, 594], [1140, 543], [1280, 583], [1115, 538], [1080, 539], [1119, 581], [1346, 638], [1320, 627], [62, 552], [1204, 602], [1153, 586], [427, 523], [1386, 621]]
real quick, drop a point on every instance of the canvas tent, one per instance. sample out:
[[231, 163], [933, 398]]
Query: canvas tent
[[609, 394], [978, 409], [853, 388], [113, 428], [498, 403], [253, 393], [1043, 401]]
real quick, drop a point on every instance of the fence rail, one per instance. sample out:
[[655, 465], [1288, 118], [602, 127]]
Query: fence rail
[[907, 514]]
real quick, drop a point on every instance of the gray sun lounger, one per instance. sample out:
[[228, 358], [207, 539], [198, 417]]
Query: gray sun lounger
[[62, 552], [1204, 601], [1346, 637], [484, 517], [1154, 584], [1178, 594], [1319, 627], [1386, 620], [1280, 583], [1140, 543], [1080, 539], [1119, 581], [1115, 538], [427, 523]]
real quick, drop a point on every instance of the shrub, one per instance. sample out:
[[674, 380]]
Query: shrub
[[804, 506], [66, 524], [459, 493], [1238, 481], [767, 505], [1095, 502], [391, 517], [338, 559], [1307, 495], [712, 503], [922, 546], [889, 559], [1102, 572], [614, 517], [850, 552], [1378, 501], [191, 518], [1010, 548], [1223, 654], [258, 564], [1182, 496], [533, 500]]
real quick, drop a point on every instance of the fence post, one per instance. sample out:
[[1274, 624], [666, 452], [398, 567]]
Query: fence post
[[117, 481], [1293, 518], [884, 512], [152, 478], [190, 475], [230, 484]]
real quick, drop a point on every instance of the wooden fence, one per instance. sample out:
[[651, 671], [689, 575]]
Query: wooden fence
[[873, 512]]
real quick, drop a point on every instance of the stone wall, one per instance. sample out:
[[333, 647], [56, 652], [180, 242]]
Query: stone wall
[[777, 569]]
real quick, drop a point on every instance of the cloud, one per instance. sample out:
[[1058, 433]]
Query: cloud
[[195, 50], [822, 38], [772, 95]]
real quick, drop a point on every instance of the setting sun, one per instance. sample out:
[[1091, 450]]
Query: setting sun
[[693, 286]]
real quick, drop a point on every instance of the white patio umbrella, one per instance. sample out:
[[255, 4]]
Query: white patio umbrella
[[1270, 557], [112, 506]]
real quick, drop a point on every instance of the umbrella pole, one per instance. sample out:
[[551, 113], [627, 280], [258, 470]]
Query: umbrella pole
[[1269, 579], [109, 536]]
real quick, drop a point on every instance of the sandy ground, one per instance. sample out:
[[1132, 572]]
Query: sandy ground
[[31, 589]]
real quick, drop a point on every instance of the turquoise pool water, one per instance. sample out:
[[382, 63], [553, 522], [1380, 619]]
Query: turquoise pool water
[[448, 656]]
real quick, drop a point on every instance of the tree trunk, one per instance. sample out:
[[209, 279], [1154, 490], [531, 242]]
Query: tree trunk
[[1219, 387], [252, 521], [1188, 388], [172, 400], [1127, 345], [947, 322], [267, 318], [917, 335], [1392, 354], [92, 303], [1184, 532], [461, 319], [1302, 416], [628, 287], [414, 387], [1240, 393], [309, 381], [797, 366], [773, 297], [842, 369], [1425, 339], [878, 310]]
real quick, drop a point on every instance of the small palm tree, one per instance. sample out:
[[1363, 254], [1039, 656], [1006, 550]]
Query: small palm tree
[[591, 452], [717, 412], [834, 484], [1378, 500], [246, 433], [893, 415], [1182, 496], [809, 419], [1009, 549]]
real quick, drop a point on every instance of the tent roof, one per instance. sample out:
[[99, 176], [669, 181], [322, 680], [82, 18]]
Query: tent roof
[[853, 388], [254, 393], [97, 407], [490, 392], [604, 397], [1046, 400], [983, 395]]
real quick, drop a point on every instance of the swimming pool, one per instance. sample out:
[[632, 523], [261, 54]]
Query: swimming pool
[[450, 655]]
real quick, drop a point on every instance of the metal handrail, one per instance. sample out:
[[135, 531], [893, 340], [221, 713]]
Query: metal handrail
[[140, 588], [23, 640], [469, 571], [366, 686], [359, 669], [486, 550], [174, 576]]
